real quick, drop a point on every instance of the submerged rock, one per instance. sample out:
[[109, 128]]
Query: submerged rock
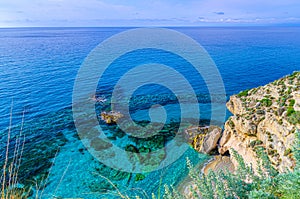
[[111, 117], [99, 144]]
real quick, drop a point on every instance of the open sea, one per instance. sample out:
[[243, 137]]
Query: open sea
[[38, 67]]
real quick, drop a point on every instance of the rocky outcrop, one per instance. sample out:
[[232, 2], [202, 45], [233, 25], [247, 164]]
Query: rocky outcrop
[[111, 117], [203, 139], [264, 117], [267, 117]]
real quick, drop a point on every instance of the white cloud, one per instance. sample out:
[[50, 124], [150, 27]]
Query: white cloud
[[77, 12]]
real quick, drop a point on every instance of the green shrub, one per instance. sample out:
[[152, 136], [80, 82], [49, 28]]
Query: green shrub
[[292, 102], [289, 90], [296, 149], [294, 117], [243, 93], [281, 101], [255, 142], [254, 91], [295, 74], [266, 102], [287, 152], [290, 111]]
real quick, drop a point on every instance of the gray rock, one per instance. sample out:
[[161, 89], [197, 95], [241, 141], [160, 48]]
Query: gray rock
[[211, 140], [261, 112], [257, 105], [280, 111]]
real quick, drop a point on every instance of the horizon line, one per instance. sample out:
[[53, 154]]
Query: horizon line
[[164, 26]]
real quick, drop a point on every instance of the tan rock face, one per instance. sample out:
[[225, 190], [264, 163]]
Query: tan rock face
[[203, 139], [266, 117]]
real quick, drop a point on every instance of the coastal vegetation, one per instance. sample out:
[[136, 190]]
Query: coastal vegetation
[[245, 182]]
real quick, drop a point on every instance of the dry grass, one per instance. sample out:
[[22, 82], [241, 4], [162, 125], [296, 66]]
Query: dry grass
[[10, 170], [10, 186]]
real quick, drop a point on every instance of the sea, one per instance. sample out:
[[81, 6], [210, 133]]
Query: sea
[[38, 69]]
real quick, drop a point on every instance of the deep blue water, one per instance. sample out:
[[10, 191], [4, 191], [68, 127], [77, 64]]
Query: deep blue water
[[38, 67]]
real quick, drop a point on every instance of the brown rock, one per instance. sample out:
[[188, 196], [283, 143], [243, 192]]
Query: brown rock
[[111, 117]]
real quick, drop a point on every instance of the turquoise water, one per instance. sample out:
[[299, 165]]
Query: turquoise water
[[38, 67]]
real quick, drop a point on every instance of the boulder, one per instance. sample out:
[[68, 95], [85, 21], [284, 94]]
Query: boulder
[[203, 139], [211, 140]]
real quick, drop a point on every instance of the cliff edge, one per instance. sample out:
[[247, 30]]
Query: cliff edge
[[267, 117]]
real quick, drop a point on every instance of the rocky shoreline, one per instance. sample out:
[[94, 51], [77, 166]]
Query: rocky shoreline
[[264, 118]]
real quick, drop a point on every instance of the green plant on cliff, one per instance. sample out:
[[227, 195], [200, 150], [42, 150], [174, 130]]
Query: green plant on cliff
[[294, 117], [291, 112], [296, 149], [255, 142], [292, 103], [288, 185], [266, 102], [243, 93]]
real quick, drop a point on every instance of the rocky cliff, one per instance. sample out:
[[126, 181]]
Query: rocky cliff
[[267, 117]]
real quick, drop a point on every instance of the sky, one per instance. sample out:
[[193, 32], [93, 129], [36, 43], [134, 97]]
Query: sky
[[77, 13]]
